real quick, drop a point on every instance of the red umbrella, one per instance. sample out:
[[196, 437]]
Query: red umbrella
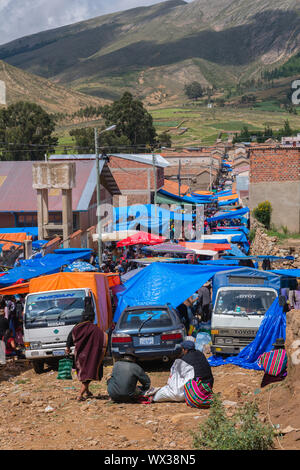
[[141, 238]]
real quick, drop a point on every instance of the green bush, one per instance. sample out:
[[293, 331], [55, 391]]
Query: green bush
[[243, 431], [263, 213]]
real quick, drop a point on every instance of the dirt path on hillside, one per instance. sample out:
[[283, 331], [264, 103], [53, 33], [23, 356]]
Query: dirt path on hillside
[[41, 412]]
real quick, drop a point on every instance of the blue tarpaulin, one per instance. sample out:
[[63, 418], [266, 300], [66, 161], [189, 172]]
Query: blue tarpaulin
[[229, 215], [235, 251], [162, 283], [272, 327], [145, 211], [39, 266]]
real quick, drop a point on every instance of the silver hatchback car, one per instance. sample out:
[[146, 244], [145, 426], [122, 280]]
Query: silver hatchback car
[[155, 332]]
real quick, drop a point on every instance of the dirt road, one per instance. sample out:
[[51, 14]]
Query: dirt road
[[41, 412]]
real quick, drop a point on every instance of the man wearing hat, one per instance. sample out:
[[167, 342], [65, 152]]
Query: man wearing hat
[[122, 385], [274, 363]]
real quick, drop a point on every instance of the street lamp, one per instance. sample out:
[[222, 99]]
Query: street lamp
[[110, 128]]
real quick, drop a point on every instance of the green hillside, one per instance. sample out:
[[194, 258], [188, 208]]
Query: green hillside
[[153, 51]]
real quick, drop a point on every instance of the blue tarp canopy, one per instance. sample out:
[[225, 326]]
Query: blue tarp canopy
[[186, 199], [235, 251], [220, 262], [238, 228], [227, 203], [287, 272], [43, 265], [141, 211], [162, 283], [229, 215], [272, 327]]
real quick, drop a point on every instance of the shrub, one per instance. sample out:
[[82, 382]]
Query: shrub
[[243, 431], [263, 213]]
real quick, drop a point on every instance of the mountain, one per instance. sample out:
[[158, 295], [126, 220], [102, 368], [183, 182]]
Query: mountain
[[24, 86], [156, 50]]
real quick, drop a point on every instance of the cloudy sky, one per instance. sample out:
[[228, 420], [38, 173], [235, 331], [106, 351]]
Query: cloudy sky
[[23, 17]]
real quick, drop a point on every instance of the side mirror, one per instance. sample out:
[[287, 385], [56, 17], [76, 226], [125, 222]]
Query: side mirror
[[281, 301]]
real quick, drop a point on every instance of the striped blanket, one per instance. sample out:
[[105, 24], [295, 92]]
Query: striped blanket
[[273, 362], [198, 394]]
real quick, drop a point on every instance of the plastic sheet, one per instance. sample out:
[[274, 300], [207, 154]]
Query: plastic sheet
[[162, 283], [180, 373], [272, 327], [48, 264]]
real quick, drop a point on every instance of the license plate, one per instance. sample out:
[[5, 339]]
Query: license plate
[[59, 352], [146, 341]]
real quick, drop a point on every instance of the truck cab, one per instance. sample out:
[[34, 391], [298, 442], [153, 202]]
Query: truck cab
[[241, 298], [48, 319]]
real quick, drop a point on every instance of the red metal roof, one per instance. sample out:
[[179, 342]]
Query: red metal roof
[[17, 194]]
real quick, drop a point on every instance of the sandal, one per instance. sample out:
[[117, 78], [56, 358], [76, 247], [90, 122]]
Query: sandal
[[80, 398]]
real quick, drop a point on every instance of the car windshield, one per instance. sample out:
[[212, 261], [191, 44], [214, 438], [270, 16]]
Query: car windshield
[[55, 306], [242, 302], [134, 319]]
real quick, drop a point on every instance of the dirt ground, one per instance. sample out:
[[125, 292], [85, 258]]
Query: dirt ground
[[40, 412]]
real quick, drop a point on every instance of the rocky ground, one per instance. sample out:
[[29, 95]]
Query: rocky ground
[[41, 412]]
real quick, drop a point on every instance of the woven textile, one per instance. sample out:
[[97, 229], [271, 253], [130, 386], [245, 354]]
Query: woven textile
[[197, 393], [273, 362]]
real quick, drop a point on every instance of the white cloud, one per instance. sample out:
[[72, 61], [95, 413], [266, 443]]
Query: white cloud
[[24, 17]]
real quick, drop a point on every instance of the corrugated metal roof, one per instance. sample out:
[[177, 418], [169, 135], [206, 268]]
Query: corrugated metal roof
[[17, 194], [139, 157]]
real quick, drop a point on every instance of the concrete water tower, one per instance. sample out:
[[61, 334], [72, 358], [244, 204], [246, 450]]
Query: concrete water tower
[[53, 175]]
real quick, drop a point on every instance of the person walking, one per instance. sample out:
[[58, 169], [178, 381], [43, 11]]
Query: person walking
[[90, 346]]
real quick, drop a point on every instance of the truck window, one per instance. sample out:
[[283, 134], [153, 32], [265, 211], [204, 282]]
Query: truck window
[[64, 307], [242, 302]]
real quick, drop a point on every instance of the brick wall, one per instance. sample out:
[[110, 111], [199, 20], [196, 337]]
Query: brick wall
[[135, 180], [274, 164]]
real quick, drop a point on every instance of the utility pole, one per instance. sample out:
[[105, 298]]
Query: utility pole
[[99, 230], [155, 179], [179, 177]]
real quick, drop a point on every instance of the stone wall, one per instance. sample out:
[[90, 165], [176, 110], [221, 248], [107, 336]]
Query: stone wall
[[270, 246]]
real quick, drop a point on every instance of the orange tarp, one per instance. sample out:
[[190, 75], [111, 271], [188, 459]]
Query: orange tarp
[[226, 198], [206, 246], [13, 237], [97, 282], [113, 280], [204, 193], [15, 289]]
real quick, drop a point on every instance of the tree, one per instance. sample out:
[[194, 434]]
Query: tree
[[193, 91], [26, 132], [132, 120], [108, 141], [164, 140]]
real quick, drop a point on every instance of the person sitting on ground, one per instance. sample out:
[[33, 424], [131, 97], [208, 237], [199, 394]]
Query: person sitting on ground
[[274, 363], [122, 385], [191, 367], [11, 349], [198, 391]]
